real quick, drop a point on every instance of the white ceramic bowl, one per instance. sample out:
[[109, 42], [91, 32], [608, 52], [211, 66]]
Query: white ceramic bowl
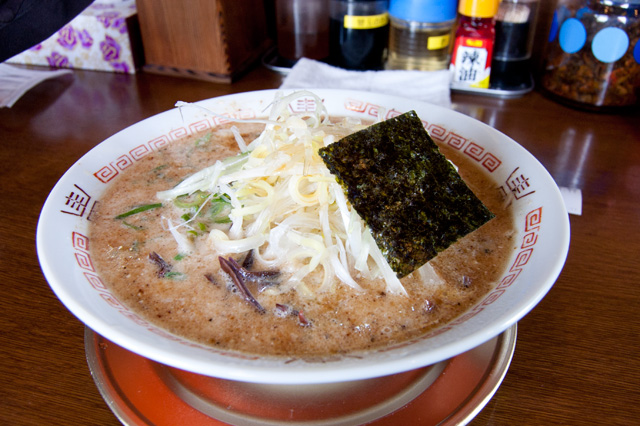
[[542, 235]]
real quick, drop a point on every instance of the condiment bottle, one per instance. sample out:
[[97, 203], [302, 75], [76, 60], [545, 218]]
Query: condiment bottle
[[473, 46], [358, 33], [515, 24], [302, 29], [421, 33], [593, 56]]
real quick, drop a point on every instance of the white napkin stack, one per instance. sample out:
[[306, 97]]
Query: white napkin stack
[[15, 82], [427, 86]]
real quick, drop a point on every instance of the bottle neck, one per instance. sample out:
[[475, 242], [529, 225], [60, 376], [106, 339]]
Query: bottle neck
[[470, 26], [476, 22]]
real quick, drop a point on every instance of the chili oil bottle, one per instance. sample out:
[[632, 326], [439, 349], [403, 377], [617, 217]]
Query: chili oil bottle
[[473, 45]]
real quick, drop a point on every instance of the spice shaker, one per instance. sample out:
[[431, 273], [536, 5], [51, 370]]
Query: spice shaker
[[473, 45], [358, 33], [420, 34], [593, 56], [515, 24]]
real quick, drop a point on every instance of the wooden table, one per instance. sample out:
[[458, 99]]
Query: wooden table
[[577, 355]]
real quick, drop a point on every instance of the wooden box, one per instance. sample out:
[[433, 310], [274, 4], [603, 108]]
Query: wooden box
[[212, 40]]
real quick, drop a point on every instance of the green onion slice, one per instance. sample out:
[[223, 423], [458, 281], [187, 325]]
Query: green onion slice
[[175, 275], [139, 209], [194, 200], [132, 226], [220, 209]]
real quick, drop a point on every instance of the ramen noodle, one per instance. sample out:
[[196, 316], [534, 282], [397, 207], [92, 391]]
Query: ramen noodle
[[176, 232]]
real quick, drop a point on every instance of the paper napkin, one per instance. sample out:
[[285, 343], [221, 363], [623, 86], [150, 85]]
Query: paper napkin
[[15, 82], [427, 86]]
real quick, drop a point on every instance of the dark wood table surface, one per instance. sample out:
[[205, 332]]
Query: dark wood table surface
[[577, 358]]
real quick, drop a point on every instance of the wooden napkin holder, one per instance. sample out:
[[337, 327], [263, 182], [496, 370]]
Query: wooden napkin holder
[[212, 40]]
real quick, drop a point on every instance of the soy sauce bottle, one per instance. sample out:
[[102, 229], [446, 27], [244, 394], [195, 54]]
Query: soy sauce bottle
[[358, 33], [515, 24]]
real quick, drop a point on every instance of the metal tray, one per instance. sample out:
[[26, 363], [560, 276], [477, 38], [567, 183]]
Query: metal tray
[[142, 392]]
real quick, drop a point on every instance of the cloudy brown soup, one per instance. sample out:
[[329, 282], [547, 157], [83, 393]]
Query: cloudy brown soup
[[197, 300]]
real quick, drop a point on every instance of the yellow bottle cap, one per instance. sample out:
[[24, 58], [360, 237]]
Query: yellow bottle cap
[[478, 8]]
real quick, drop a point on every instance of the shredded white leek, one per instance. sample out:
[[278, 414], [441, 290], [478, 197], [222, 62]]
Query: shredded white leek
[[286, 205], [185, 246]]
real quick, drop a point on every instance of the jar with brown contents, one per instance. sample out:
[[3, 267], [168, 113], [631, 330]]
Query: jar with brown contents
[[593, 58]]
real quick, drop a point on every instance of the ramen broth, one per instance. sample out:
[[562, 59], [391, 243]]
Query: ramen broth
[[199, 302]]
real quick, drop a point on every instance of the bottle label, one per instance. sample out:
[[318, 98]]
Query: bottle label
[[471, 62], [368, 22], [438, 42]]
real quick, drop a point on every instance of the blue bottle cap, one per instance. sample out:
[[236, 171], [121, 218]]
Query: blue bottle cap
[[429, 11]]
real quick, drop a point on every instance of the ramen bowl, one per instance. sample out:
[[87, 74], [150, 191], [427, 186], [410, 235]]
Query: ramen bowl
[[541, 221]]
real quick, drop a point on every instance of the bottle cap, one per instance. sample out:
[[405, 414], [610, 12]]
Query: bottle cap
[[429, 11], [478, 8]]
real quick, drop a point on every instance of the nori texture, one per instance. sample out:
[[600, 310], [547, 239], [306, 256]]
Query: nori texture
[[411, 197]]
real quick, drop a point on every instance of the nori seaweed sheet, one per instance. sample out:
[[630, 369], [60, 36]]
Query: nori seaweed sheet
[[411, 197]]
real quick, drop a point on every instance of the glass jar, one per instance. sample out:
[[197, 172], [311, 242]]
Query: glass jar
[[302, 29], [593, 55]]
